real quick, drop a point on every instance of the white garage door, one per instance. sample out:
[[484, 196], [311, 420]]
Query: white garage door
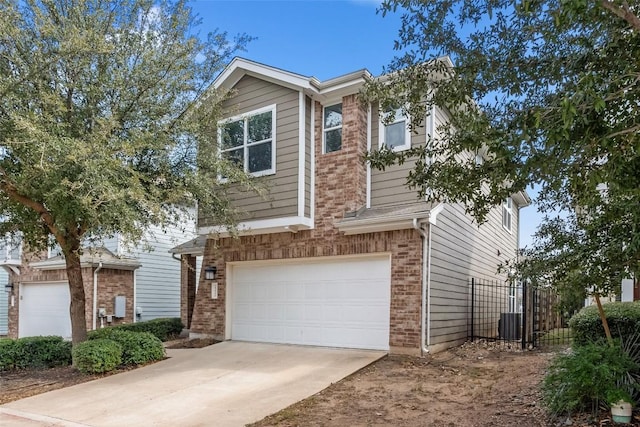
[[336, 303], [44, 310]]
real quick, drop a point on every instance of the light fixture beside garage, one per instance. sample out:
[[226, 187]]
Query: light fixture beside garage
[[210, 272], [210, 275], [9, 287]]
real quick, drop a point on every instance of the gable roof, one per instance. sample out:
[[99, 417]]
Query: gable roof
[[333, 88], [91, 257]]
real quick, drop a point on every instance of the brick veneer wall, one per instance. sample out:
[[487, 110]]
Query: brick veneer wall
[[340, 187], [110, 283], [187, 288]]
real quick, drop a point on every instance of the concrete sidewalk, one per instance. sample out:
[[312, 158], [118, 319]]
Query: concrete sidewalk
[[227, 384]]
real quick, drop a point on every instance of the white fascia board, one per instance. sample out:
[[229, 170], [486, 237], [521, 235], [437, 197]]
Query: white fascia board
[[343, 89], [370, 225], [290, 224], [433, 213], [240, 67], [522, 199], [114, 266]]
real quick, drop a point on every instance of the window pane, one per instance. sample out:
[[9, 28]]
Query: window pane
[[232, 134], [332, 140], [260, 127], [235, 156], [392, 114], [260, 157], [333, 116], [394, 135]]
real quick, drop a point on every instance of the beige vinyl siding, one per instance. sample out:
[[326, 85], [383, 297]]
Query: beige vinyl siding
[[389, 187], [460, 251], [441, 117], [307, 159], [281, 199]]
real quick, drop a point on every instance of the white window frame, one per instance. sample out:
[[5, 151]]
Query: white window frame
[[507, 214], [325, 130], [399, 117], [245, 145]]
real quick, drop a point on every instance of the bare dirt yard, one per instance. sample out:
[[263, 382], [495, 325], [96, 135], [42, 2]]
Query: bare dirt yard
[[472, 385]]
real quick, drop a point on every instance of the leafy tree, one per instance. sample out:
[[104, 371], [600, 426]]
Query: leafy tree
[[105, 115], [556, 90]]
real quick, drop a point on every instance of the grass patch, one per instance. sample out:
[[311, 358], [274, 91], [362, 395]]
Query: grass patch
[[557, 336]]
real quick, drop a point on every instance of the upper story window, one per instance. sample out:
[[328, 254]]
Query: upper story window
[[332, 128], [507, 213], [249, 141], [395, 134]]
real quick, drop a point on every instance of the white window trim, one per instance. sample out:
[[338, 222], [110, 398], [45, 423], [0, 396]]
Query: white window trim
[[325, 130], [244, 117], [397, 119], [507, 209]]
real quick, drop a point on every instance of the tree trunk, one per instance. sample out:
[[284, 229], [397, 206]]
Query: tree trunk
[[603, 318], [76, 290]]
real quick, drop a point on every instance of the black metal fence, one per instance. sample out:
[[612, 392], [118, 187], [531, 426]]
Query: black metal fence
[[515, 314]]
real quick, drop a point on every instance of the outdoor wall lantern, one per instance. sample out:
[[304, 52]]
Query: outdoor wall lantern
[[210, 272], [8, 287]]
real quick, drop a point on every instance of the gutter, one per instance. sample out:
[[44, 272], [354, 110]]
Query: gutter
[[95, 295]]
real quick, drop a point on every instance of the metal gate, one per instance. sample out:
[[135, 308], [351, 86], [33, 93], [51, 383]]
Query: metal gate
[[516, 314]]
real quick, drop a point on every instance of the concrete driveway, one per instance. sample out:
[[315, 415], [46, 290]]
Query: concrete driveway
[[227, 384]]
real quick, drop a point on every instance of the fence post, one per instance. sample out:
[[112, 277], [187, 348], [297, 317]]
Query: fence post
[[524, 314], [473, 294]]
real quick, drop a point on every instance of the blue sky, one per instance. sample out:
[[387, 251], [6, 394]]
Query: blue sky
[[320, 38]]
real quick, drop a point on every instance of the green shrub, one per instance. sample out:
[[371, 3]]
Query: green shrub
[[7, 354], [137, 347], [623, 319], [34, 352], [587, 377], [163, 329], [97, 356]]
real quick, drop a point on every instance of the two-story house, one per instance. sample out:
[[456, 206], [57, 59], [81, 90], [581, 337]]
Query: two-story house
[[123, 284], [338, 254]]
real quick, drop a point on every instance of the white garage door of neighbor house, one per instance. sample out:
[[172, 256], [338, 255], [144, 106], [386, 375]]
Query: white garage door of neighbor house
[[339, 302], [44, 310]]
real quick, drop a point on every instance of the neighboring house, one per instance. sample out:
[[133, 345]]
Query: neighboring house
[[129, 284], [4, 303], [338, 254], [9, 252]]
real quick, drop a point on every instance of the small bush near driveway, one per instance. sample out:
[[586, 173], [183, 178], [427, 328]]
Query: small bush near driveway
[[137, 347], [164, 329], [97, 356], [34, 352]]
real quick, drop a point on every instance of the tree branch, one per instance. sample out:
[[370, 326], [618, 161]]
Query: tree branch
[[38, 207], [623, 11]]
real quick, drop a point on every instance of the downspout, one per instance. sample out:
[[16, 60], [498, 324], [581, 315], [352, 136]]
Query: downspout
[[95, 295], [135, 295], [425, 323]]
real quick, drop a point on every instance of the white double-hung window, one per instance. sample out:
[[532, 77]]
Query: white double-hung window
[[507, 213], [394, 130], [332, 128], [249, 141]]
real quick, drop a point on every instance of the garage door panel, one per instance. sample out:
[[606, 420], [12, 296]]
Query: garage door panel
[[338, 303], [44, 310]]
